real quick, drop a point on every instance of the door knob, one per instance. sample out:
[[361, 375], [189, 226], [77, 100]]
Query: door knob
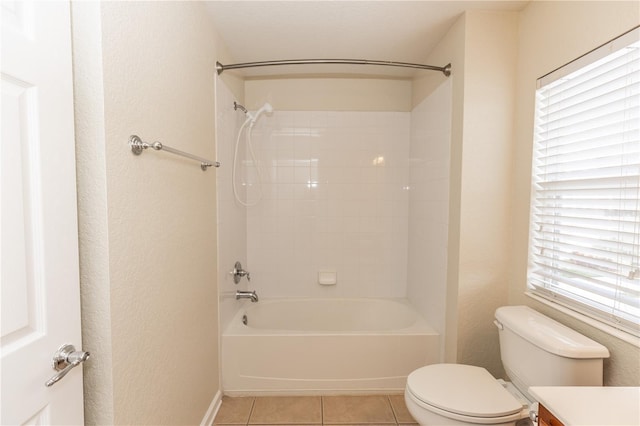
[[64, 360]]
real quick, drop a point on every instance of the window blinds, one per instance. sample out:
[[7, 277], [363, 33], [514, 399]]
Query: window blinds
[[584, 247]]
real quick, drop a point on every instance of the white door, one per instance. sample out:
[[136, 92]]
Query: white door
[[39, 250]]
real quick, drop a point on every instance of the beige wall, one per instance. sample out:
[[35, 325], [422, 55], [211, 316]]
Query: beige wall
[[330, 94], [481, 47], [147, 223], [92, 211], [550, 35], [490, 62]]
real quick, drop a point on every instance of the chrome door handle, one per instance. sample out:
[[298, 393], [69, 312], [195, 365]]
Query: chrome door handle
[[65, 358]]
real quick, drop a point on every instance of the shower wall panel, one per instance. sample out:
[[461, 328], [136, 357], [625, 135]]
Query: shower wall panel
[[334, 198], [232, 217], [429, 206]]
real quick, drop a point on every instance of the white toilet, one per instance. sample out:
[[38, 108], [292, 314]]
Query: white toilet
[[535, 351]]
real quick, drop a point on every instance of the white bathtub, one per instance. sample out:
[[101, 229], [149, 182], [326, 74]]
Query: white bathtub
[[310, 346]]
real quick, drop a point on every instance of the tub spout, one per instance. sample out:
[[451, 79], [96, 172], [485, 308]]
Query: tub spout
[[247, 295]]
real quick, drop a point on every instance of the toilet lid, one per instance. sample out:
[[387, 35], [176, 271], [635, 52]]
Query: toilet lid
[[462, 389]]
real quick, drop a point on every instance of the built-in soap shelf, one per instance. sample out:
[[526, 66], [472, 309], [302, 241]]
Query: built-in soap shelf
[[327, 278]]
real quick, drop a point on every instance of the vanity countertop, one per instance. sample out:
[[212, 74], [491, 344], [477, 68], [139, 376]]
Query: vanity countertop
[[586, 405]]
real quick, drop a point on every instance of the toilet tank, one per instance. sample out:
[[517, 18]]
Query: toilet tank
[[538, 351]]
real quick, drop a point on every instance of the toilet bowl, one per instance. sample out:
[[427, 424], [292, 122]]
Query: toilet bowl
[[457, 394], [535, 351]]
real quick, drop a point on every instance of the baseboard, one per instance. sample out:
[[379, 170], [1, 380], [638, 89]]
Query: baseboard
[[210, 415]]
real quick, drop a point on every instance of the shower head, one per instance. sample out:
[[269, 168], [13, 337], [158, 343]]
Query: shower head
[[266, 108]]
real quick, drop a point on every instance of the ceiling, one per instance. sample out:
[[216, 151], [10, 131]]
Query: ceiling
[[387, 30]]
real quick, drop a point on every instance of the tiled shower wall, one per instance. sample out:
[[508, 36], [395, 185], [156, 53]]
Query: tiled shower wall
[[335, 197]]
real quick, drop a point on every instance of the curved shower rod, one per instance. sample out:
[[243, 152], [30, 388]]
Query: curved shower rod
[[446, 70]]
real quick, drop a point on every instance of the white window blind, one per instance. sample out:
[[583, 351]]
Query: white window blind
[[584, 246]]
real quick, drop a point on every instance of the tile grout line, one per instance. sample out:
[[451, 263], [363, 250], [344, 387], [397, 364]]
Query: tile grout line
[[253, 404], [393, 411]]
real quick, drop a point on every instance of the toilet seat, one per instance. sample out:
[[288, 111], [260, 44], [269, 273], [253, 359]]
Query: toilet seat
[[467, 419], [463, 392]]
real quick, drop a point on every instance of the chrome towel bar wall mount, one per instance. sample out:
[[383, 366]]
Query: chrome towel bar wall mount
[[138, 146]]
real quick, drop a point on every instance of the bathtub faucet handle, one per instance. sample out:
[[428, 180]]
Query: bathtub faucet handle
[[238, 273]]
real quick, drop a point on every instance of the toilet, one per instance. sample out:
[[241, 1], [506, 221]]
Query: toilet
[[535, 351]]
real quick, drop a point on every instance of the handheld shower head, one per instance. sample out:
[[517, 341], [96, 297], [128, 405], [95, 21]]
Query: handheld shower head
[[266, 108]]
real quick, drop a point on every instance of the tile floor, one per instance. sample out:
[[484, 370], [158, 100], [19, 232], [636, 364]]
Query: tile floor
[[366, 410]]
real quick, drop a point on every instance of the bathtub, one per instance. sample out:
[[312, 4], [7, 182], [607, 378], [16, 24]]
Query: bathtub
[[313, 346]]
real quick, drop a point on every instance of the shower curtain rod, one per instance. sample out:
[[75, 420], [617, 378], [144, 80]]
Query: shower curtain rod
[[446, 70]]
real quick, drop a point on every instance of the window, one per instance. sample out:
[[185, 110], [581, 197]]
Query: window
[[584, 245]]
